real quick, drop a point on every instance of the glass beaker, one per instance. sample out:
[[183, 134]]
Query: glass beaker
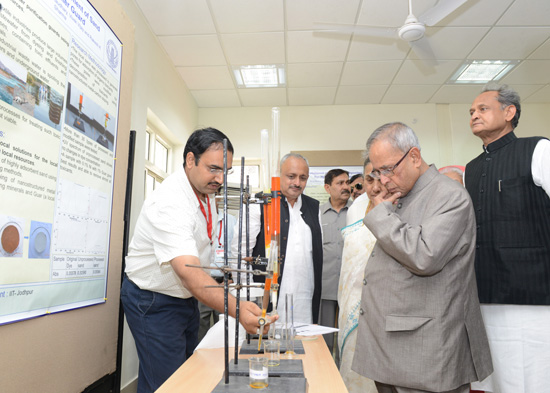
[[258, 374], [272, 350]]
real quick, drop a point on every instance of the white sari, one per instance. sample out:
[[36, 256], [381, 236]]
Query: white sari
[[358, 244]]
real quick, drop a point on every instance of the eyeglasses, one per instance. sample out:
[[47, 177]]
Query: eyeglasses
[[388, 172], [357, 186], [216, 170]]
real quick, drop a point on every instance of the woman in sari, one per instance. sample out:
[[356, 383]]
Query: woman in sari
[[358, 244]]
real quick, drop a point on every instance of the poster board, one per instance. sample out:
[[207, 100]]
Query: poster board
[[66, 352], [322, 161], [60, 68]]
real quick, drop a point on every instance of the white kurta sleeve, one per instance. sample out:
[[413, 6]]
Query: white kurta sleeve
[[540, 165]]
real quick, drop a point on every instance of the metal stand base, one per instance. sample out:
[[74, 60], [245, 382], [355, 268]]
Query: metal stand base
[[239, 384], [252, 348], [287, 368]]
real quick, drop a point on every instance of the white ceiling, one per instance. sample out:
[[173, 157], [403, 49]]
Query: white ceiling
[[205, 38]]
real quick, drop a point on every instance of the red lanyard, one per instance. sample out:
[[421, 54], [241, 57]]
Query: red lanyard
[[209, 218], [220, 235]]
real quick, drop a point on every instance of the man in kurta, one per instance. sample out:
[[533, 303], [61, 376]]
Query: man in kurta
[[301, 245], [420, 324], [509, 183]]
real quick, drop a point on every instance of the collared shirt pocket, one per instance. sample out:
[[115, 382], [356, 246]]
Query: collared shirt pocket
[[331, 234]]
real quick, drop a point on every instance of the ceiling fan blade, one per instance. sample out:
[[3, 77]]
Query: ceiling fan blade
[[440, 11], [424, 51], [375, 31]]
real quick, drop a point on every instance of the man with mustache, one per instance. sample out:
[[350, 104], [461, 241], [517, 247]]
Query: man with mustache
[[301, 244], [333, 219], [160, 291]]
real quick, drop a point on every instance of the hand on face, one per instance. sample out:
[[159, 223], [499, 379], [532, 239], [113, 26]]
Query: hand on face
[[385, 196], [398, 170]]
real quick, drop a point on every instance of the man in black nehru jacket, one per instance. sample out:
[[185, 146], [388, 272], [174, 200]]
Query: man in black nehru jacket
[[509, 184]]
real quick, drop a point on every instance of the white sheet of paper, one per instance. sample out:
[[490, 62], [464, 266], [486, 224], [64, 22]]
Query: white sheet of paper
[[314, 330], [215, 336]]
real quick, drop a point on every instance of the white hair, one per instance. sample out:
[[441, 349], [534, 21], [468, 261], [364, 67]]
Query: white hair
[[397, 134]]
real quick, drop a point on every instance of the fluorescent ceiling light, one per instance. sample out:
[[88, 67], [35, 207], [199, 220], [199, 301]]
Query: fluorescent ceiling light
[[482, 71], [260, 75]]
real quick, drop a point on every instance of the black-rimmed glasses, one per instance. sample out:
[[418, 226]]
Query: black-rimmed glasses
[[388, 172]]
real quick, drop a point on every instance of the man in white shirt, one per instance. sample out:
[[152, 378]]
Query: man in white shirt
[[301, 244], [159, 292], [209, 316]]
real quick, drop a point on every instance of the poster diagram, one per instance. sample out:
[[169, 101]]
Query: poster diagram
[[59, 96]]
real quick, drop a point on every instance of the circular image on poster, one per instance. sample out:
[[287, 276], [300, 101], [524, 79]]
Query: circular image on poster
[[39, 243], [11, 239]]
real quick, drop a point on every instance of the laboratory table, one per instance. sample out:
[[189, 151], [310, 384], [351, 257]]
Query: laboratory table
[[204, 370]]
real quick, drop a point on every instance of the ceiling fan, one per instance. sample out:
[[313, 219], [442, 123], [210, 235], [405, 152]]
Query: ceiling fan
[[412, 31]]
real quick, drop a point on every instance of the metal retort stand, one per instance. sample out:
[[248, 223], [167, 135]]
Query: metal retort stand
[[289, 375]]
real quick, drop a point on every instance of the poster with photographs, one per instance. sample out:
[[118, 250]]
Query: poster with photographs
[[60, 66]]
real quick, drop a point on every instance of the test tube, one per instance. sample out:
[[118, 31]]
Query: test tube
[[289, 328], [265, 160]]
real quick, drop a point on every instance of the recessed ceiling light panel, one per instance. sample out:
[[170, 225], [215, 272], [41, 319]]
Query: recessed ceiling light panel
[[482, 71], [250, 76]]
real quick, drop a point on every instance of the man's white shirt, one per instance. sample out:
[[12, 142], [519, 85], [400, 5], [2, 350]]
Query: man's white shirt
[[171, 224]]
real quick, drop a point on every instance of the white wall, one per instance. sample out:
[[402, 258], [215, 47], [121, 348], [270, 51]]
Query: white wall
[[443, 130], [344, 127], [158, 91]]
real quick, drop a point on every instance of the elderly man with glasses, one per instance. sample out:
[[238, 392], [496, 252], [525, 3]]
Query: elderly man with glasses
[[420, 325]]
